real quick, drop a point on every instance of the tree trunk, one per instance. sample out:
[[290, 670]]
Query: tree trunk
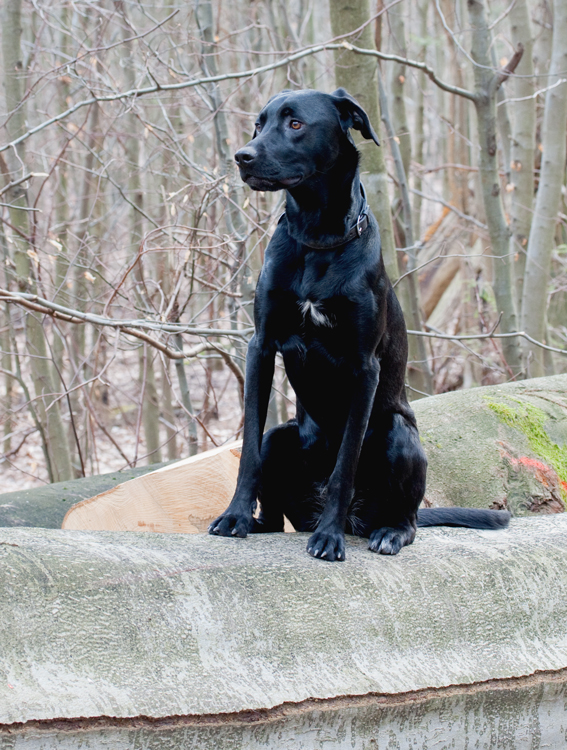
[[82, 292], [48, 410], [397, 83], [419, 138], [541, 240], [523, 141], [150, 400], [233, 216], [6, 354], [193, 441], [357, 74], [62, 208], [419, 373], [168, 412], [486, 86], [542, 15], [458, 115], [150, 406]]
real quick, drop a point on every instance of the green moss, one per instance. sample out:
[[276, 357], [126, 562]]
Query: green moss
[[530, 420]]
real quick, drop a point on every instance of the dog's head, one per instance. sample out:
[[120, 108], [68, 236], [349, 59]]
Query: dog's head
[[299, 134]]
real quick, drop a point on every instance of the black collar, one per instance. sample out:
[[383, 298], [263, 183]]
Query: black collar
[[355, 231]]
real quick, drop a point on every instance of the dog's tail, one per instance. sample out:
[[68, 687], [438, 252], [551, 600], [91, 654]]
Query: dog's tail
[[471, 518]]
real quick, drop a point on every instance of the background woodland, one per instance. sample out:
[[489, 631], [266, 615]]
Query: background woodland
[[130, 248]]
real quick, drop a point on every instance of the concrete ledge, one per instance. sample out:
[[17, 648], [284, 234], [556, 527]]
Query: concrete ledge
[[115, 633]]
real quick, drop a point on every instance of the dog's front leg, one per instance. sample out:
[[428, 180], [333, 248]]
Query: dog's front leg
[[237, 518], [328, 540]]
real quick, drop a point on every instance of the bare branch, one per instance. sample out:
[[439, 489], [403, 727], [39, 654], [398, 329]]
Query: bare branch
[[23, 179], [506, 72], [429, 72], [502, 16], [313, 50], [490, 335], [452, 208], [535, 95], [70, 315]]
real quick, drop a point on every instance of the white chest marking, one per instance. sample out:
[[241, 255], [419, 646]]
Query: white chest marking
[[312, 308]]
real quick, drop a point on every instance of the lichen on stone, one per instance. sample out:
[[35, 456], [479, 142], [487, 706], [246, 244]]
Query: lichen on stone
[[530, 420]]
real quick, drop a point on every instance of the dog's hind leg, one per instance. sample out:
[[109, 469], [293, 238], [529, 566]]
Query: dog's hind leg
[[279, 454], [403, 490], [291, 481]]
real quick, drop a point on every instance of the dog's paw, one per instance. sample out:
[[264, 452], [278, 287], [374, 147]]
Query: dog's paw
[[230, 524], [389, 541], [327, 545]]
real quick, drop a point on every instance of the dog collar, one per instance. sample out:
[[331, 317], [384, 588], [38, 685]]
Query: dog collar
[[354, 232]]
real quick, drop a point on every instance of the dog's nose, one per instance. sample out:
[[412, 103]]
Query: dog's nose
[[245, 156]]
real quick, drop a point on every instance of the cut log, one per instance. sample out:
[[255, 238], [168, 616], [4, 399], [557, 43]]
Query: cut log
[[122, 641], [183, 497], [45, 507], [503, 446]]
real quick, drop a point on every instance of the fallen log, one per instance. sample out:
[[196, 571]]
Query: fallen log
[[182, 497], [503, 446], [46, 506], [126, 641]]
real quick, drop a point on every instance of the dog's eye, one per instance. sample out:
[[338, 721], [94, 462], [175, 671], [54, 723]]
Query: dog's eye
[[295, 124], [258, 127]]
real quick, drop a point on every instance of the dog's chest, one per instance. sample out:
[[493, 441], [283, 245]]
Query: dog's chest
[[318, 289], [314, 313]]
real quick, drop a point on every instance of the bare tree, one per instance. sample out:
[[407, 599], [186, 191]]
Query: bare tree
[[523, 140], [552, 175], [487, 83], [46, 406]]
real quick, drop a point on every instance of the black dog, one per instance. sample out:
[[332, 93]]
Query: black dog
[[351, 460]]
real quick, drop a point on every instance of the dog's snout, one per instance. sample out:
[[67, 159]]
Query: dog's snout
[[245, 156]]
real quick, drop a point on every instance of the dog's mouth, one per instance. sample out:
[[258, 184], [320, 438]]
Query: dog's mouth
[[265, 184]]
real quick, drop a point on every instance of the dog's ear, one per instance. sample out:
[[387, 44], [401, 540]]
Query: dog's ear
[[352, 115]]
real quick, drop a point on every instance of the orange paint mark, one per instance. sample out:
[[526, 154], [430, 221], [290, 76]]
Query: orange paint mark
[[533, 463], [543, 473]]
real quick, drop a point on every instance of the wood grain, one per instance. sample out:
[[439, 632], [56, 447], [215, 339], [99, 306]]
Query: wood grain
[[181, 498]]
